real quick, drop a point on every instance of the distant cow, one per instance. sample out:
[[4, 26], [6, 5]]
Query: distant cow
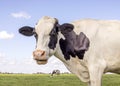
[[57, 72], [101, 55]]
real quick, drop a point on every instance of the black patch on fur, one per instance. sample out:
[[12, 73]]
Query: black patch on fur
[[67, 50], [73, 44], [53, 37]]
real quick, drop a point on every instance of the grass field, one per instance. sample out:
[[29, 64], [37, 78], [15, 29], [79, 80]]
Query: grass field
[[46, 80]]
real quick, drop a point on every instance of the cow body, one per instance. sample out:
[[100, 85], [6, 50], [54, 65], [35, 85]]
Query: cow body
[[101, 57]]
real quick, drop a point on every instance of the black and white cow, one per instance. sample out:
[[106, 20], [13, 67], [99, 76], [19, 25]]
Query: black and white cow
[[57, 72], [96, 41]]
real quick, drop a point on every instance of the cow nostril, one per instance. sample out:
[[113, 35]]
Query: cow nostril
[[43, 53], [38, 53]]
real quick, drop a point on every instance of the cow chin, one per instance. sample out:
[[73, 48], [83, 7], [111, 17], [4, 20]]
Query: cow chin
[[41, 62]]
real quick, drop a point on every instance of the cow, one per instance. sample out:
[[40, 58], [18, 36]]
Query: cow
[[102, 55], [57, 72]]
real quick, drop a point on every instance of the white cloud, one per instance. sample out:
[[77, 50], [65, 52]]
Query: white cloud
[[33, 67], [2, 55], [2, 58], [28, 65], [28, 61], [13, 62], [21, 15], [6, 35]]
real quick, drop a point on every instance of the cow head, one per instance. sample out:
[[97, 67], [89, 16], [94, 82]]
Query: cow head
[[45, 32]]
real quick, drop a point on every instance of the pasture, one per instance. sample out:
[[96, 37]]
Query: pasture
[[47, 80]]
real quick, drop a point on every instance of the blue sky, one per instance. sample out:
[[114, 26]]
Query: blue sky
[[16, 50]]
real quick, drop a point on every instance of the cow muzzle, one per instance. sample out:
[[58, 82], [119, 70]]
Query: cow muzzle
[[40, 57]]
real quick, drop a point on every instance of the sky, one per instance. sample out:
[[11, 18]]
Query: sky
[[16, 50]]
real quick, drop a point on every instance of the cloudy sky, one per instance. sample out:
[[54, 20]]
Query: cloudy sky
[[16, 50]]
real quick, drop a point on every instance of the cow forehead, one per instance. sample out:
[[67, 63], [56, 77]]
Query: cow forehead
[[45, 25]]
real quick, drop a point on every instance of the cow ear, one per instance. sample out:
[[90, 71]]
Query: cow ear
[[82, 42], [26, 30], [82, 45], [66, 27]]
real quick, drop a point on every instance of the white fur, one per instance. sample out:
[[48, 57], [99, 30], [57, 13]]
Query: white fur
[[103, 54]]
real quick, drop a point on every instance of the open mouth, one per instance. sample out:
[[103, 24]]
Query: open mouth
[[41, 62]]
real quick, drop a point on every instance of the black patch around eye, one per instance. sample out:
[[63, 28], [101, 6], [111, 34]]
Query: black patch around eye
[[53, 41], [53, 37]]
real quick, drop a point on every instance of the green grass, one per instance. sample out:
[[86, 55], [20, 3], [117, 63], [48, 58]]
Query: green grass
[[46, 80], [111, 80]]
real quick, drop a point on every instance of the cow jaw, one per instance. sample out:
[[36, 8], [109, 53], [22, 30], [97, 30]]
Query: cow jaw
[[41, 62]]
